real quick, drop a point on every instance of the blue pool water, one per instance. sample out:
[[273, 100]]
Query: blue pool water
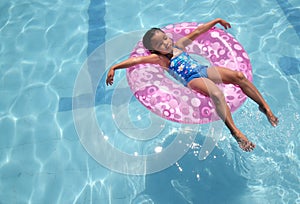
[[44, 46]]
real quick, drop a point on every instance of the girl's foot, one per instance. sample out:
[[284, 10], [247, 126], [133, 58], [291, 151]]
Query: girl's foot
[[243, 142], [271, 117]]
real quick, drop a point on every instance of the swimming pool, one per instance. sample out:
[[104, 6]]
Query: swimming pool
[[44, 45]]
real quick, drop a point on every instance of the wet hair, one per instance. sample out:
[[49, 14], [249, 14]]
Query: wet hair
[[147, 39]]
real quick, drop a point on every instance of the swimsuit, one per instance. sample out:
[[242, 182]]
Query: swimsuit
[[185, 69]]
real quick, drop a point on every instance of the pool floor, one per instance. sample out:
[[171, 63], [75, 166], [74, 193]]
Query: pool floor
[[46, 45]]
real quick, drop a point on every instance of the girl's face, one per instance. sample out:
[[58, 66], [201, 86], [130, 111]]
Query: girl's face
[[162, 43]]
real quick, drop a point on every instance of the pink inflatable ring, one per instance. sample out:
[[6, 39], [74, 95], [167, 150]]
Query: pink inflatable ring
[[170, 99]]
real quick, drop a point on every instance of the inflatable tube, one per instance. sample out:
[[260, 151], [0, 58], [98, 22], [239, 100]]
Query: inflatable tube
[[173, 101]]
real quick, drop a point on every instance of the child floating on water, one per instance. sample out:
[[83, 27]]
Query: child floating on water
[[203, 79]]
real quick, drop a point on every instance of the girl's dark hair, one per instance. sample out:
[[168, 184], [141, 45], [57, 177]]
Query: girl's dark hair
[[147, 39]]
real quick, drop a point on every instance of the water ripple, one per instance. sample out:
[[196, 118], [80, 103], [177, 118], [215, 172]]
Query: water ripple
[[43, 45]]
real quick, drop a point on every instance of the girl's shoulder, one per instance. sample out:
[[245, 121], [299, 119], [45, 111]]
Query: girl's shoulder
[[179, 45], [152, 58], [161, 60]]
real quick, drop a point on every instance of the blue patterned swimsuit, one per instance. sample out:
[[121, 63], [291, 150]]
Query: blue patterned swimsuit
[[185, 69]]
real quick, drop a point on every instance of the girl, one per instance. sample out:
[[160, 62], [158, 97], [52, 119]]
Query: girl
[[170, 55]]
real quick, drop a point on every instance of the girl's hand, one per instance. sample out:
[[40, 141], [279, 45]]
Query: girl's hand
[[225, 24], [110, 77]]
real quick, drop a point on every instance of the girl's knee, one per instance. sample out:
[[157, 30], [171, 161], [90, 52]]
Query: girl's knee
[[239, 77], [217, 96]]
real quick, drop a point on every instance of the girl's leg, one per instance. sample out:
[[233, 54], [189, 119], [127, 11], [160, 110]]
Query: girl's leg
[[209, 88], [224, 75]]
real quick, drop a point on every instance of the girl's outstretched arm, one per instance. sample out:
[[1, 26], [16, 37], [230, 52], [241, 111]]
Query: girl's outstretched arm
[[153, 59], [183, 42]]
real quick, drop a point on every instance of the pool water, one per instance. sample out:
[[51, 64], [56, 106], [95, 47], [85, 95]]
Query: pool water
[[43, 158]]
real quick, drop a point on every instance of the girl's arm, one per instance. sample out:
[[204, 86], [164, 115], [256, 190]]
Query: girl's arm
[[153, 59], [183, 42]]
